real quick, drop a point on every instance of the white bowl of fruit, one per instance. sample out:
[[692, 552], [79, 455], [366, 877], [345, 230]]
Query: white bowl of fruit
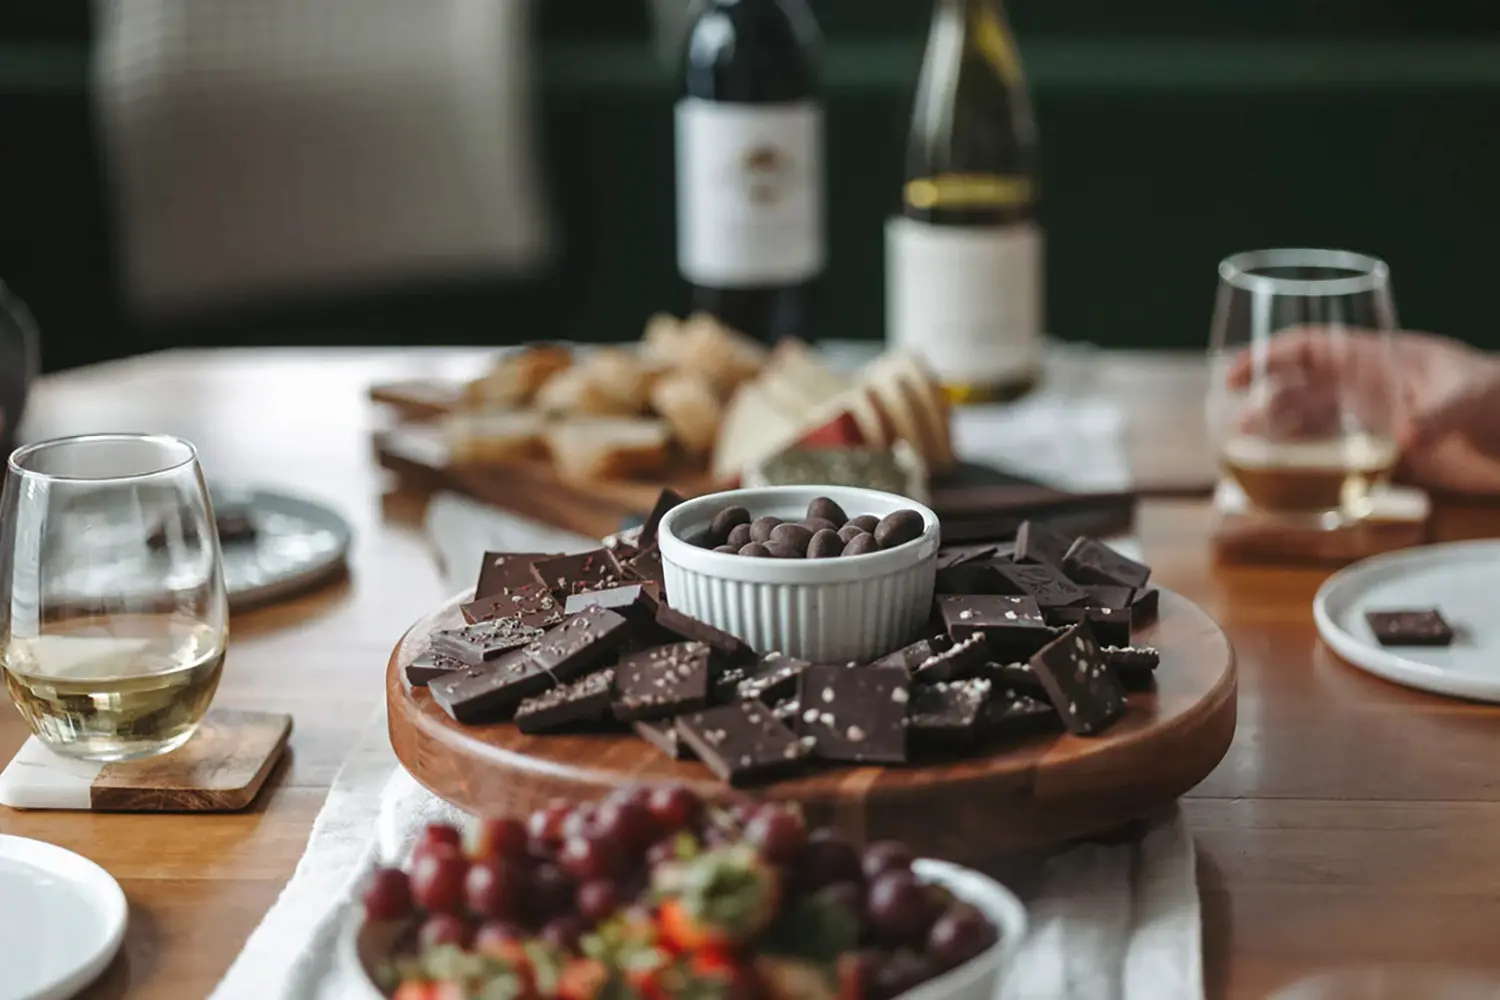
[[650, 894]]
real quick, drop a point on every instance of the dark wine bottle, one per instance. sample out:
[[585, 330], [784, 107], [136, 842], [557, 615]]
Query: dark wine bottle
[[750, 238], [964, 257]]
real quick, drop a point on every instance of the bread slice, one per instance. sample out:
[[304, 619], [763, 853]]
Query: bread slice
[[755, 426], [723, 356], [516, 377], [662, 340], [799, 368], [620, 373], [582, 392], [690, 405], [493, 437], [594, 448]]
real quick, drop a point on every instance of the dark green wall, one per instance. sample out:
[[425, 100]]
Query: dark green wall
[[1173, 132]]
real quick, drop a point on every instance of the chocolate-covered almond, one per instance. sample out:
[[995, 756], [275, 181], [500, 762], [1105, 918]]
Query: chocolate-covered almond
[[825, 545], [817, 524], [865, 521], [793, 536], [727, 520], [739, 537], [849, 532], [828, 510], [897, 528], [729, 549], [862, 544], [755, 550], [781, 550], [761, 528]]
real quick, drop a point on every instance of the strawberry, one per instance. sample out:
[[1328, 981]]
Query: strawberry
[[721, 898]]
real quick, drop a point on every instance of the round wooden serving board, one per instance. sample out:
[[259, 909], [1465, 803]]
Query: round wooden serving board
[[1043, 790]]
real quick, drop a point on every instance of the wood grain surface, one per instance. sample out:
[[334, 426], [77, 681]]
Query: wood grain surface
[[1350, 822], [1038, 791], [221, 769]]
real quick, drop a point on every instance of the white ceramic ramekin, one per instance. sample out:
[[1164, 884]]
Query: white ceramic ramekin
[[824, 610]]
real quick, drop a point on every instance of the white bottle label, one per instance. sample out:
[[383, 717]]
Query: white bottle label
[[967, 300], [749, 193]]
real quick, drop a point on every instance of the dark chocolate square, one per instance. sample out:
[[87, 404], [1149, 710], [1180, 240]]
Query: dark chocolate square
[[1079, 682], [1410, 627], [1011, 715], [431, 665], [1012, 678], [1111, 627], [725, 686], [491, 692], [662, 734], [1045, 583], [664, 502], [530, 604], [1144, 605], [1012, 624], [662, 682], [729, 648], [963, 659], [578, 573], [1090, 561], [947, 714], [742, 743], [772, 678], [473, 644], [1109, 596], [647, 565], [855, 714], [583, 702], [579, 643], [1037, 542], [912, 656], [637, 602], [977, 577], [500, 570], [1134, 665], [959, 555]]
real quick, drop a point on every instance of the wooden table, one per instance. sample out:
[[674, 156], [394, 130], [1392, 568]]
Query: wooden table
[[1352, 821]]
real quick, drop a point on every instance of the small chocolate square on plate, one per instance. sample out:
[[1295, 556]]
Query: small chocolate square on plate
[[662, 682], [855, 714], [1090, 561], [772, 678], [1079, 683], [530, 604], [662, 734], [1045, 583], [1111, 626], [742, 743], [506, 569], [948, 714], [1011, 715], [1144, 606], [1037, 542], [1134, 665], [963, 659], [578, 573], [1012, 625], [729, 649], [482, 641], [912, 656], [490, 692], [431, 665], [1410, 627], [579, 703], [577, 645]]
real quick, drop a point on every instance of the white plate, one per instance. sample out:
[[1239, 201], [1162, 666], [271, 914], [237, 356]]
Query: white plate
[[61, 920], [1460, 579]]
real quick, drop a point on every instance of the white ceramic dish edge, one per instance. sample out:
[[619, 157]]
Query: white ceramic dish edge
[[977, 979]]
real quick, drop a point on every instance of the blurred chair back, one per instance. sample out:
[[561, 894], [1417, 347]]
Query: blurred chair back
[[258, 150]]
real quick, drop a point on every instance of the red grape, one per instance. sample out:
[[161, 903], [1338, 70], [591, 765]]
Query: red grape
[[778, 834], [590, 858], [627, 823], [438, 838], [581, 822], [662, 852], [500, 838], [900, 909], [443, 928], [886, 856], [563, 933], [437, 881], [675, 807], [829, 858], [544, 827], [388, 896], [551, 892], [494, 935], [495, 889], [597, 900], [959, 935]]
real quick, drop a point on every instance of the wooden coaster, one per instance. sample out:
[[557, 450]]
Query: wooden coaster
[[1241, 534], [221, 769]]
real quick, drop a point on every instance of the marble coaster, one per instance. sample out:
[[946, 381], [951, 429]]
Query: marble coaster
[[1242, 534], [221, 769]]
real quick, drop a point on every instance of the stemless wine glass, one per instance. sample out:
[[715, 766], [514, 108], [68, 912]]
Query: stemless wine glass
[[1304, 398], [112, 606]]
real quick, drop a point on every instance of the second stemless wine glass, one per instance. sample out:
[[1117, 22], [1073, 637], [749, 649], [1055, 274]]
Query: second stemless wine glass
[[1304, 398], [113, 614]]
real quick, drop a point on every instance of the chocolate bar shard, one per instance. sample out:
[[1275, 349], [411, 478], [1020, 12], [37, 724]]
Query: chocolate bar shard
[[1111, 627], [772, 678], [491, 692], [530, 604], [855, 714], [578, 573], [743, 743], [914, 655], [636, 602], [647, 565], [1410, 627], [579, 644], [1013, 678], [963, 659], [1109, 596], [1049, 587], [960, 555], [1079, 683], [500, 570], [662, 682], [1090, 561], [1012, 625], [1037, 542], [947, 715], [1134, 665], [730, 649], [667, 499], [1144, 606], [662, 734], [431, 665], [474, 644], [1011, 715], [583, 702]]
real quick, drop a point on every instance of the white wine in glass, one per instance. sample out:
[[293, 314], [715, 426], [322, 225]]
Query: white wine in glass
[[1303, 401]]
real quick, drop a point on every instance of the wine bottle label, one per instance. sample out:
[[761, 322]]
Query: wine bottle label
[[968, 300], [749, 193]]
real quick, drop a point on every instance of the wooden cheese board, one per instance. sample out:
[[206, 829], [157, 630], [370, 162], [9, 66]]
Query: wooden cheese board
[[1042, 791]]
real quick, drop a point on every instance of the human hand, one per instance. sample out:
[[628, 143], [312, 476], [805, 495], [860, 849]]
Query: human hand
[[1439, 396]]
